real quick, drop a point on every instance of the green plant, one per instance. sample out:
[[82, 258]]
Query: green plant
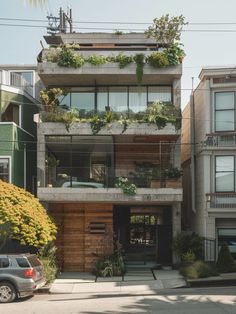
[[96, 124], [158, 60], [173, 173], [142, 174], [50, 98], [139, 59], [118, 32], [97, 60], [126, 186], [225, 262], [188, 256], [47, 255], [166, 29], [28, 219], [67, 58], [174, 53], [112, 265], [184, 243], [123, 60], [197, 269]]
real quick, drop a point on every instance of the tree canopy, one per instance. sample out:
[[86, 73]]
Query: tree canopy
[[28, 220]]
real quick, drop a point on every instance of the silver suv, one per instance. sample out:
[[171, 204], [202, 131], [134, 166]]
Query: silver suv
[[20, 275]]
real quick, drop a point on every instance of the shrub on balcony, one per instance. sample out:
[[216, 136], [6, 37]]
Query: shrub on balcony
[[123, 60], [68, 58], [173, 173], [126, 186], [174, 54], [97, 60], [158, 60]]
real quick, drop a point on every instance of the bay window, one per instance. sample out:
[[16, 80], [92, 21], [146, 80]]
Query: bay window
[[224, 111], [224, 173]]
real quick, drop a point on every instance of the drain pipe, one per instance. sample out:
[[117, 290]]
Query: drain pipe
[[192, 143]]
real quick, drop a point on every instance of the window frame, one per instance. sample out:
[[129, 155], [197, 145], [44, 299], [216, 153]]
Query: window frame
[[9, 166], [233, 190], [224, 110]]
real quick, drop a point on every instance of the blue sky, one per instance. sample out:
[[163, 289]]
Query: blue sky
[[21, 45]]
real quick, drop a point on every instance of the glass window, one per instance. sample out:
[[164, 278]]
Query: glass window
[[22, 262], [102, 99], [224, 111], [224, 100], [227, 236], [118, 99], [224, 173], [4, 262], [26, 75], [137, 99], [83, 100], [159, 93], [4, 169]]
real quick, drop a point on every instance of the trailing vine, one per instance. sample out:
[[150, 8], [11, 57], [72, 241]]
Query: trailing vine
[[139, 58]]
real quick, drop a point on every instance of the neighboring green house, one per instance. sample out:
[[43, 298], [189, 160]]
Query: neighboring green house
[[17, 127]]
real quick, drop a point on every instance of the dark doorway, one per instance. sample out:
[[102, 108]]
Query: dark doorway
[[145, 233]]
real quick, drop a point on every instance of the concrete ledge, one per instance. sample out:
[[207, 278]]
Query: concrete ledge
[[226, 279]]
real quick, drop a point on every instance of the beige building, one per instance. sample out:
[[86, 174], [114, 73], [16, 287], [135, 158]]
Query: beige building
[[208, 159]]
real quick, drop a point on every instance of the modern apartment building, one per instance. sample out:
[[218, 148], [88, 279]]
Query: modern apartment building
[[78, 166], [19, 87], [208, 159]]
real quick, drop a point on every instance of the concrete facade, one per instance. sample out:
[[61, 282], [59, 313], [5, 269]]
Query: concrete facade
[[148, 201]]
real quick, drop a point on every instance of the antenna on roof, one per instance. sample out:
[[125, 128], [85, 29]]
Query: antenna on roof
[[59, 24]]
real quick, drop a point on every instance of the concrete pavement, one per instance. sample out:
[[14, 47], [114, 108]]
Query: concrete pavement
[[132, 282]]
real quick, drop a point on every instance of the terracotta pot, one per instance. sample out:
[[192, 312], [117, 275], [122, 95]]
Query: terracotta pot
[[174, 183]]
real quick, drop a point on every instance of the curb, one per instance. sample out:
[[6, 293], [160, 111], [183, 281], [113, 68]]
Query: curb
[[211, 283], [43, 290]]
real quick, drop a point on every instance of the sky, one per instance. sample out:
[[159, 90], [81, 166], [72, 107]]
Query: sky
[[21, 45]]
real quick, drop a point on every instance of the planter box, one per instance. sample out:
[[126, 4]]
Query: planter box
[[156, 184], [174, 183]]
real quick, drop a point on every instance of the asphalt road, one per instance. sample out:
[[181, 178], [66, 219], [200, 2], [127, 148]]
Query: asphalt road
[[181, 301]]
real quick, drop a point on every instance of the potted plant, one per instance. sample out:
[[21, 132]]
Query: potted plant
[[173, 177], [157, 178]]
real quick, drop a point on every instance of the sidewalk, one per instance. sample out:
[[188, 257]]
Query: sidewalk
[[133, 282]]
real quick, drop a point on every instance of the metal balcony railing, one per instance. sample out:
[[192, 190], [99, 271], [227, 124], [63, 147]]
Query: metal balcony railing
[[222, 140], [15, 80], [221, 200]]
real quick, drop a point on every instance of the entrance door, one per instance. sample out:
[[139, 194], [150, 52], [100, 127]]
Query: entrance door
[[143, 237]]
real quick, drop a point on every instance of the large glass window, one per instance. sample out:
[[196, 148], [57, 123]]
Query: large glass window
[[102, 99], [159, 93], [137, 99], [83, 100], [4, 169], [224, 111], [79, 161], [224, 173], [118, 99]]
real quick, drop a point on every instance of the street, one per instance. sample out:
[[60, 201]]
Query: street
[[181, 301]]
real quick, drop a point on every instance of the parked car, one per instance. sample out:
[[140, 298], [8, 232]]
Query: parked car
[[20, 276]]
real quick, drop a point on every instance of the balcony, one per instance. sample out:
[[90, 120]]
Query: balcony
[[109, 73], [15, 80], [222, 140], [221, 201], [87, 167]]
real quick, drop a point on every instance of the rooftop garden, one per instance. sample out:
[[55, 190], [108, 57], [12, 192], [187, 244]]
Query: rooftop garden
[[166, 31]]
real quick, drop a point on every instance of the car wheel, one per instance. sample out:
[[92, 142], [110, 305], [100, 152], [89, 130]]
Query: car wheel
[[7, 292]]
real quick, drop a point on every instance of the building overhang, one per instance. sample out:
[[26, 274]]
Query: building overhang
[[110, 195]]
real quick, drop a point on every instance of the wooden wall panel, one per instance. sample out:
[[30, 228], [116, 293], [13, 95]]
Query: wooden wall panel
[[78, 248]]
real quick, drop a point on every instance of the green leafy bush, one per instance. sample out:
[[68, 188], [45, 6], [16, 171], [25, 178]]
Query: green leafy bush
[[67, 58], [47, 256], [225, 262], [97, 60], [123, 60], [197, 269], [112, 265], [126, 186], [158, 60], [174, 54], [184, 243]]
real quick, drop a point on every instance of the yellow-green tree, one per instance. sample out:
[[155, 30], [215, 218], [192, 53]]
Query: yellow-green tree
[[28, 220]]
